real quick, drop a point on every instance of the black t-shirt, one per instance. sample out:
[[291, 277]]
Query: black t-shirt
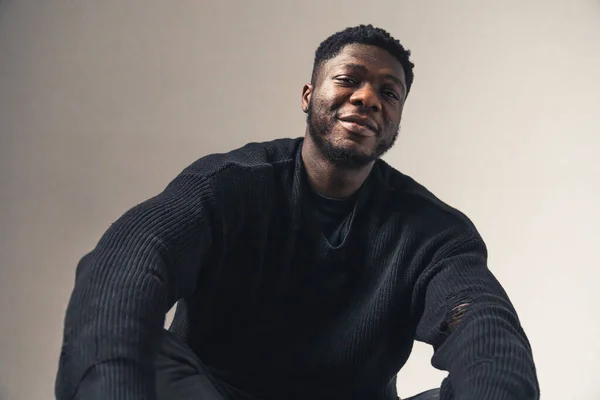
[[332, 215]]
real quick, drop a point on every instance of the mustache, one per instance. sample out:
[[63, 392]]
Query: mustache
[[334, 113]]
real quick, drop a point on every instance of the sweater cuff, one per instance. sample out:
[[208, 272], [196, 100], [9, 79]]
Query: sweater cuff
[[116, 380]]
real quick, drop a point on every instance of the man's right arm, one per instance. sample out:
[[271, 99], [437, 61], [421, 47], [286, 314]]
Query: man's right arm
[[147, 260]]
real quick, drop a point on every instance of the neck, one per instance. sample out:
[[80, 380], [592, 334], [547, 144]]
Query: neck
[[328, 179]]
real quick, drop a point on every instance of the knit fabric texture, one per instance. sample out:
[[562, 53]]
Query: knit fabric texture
[[273, 309]]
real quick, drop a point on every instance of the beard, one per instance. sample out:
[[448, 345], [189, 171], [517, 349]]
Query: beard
[[319, 127]]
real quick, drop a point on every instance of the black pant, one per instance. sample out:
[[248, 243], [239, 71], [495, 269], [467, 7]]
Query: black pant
[[433, 394], [181, 376]]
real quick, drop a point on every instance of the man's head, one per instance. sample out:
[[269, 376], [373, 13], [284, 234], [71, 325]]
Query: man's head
[[361, 77]]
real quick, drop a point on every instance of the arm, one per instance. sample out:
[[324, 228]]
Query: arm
[[145, 262], [469, 320]]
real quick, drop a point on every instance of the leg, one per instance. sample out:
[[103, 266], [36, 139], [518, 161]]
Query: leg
[[179, 373], [433, 394]]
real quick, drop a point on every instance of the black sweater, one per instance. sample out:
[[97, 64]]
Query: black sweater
[[273, 309]]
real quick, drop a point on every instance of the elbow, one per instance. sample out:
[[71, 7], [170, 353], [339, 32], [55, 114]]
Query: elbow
[[455, 316]]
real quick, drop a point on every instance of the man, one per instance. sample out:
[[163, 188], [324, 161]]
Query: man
[[302, 268]]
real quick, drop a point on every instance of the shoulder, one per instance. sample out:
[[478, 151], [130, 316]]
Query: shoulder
[[419, 205], [239, 180], [252, 156]]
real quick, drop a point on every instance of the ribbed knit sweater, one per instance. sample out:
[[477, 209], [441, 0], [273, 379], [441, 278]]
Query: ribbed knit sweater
[[277, 312]]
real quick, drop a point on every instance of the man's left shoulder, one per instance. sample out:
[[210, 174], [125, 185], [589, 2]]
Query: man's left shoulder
[[414, 200]]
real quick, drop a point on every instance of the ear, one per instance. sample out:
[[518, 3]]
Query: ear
[[306, 93]]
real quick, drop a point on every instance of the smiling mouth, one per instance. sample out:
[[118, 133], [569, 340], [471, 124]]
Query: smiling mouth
[[357, 128]]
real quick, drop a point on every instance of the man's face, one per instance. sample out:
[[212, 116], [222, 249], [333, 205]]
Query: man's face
[[355, 105]]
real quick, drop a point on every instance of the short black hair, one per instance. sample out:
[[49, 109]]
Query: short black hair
[[363, 34]]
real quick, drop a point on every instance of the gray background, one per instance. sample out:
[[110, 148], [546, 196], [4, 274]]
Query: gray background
[[103, 102]]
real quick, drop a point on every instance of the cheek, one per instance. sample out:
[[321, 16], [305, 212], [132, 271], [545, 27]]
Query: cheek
[[327, 111], [318, 104], [390, 129], [331, 99], [393, 118]]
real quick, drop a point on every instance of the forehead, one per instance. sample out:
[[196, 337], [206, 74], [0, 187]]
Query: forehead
[[373, 58]]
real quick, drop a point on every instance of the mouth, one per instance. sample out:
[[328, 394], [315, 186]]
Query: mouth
[[359, 125]]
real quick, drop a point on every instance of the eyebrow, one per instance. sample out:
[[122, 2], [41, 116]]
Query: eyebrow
[[364, 69]]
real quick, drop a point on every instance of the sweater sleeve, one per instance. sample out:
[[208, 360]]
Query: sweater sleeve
[[147, 260], [469, 320]]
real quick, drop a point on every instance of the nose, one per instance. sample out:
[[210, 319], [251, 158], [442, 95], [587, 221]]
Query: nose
[[366, 96]]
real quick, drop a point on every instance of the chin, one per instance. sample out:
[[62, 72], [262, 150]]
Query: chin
[[348, 153], [344, 149], [360, 143]]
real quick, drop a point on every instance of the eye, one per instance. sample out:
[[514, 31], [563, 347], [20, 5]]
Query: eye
[[392, 94], [348, 80]]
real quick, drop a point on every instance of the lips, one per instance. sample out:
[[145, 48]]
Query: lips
[[359, 124]]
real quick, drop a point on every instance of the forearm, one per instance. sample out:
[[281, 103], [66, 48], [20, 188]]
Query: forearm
[[474, 328], [145, 262], [115, 314], [488, 356], [114, 379]]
